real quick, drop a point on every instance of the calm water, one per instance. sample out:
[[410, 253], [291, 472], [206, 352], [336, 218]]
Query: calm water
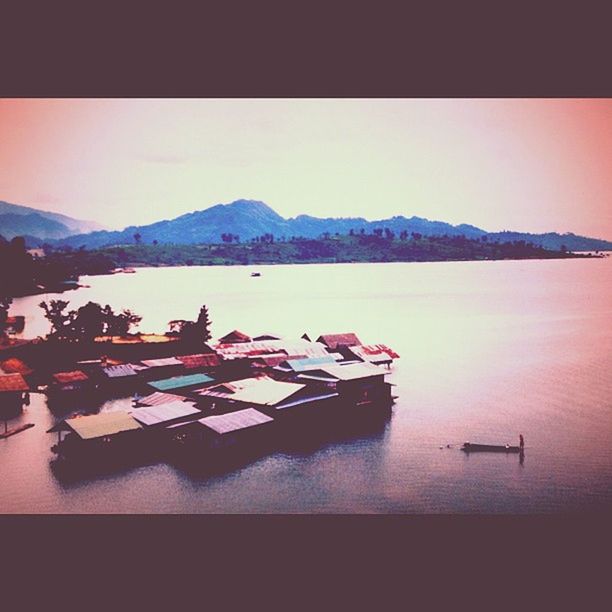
[[489, 350]]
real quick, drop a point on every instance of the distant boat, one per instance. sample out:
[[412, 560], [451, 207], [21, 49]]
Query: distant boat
[[255, 273], [468, 447]]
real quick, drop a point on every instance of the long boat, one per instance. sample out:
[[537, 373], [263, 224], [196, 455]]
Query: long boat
[[468, 447]]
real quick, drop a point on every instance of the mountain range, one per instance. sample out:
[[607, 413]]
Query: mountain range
[[16, 220], [249, 219]]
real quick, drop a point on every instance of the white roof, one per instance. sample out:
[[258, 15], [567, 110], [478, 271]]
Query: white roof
[[352, 371], [103, 424], [161, 413], [165, 361], [233, 421], [262, 391]]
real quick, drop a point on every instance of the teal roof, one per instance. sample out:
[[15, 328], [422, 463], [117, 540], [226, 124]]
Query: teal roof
[[311, 363], [176, 382]]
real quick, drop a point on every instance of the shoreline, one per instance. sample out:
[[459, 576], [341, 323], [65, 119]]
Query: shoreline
[[139, 265]]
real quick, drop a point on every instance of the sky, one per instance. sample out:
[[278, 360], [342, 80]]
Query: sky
[[531, 165]]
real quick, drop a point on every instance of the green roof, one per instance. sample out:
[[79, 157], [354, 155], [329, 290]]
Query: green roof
[[177, 382]]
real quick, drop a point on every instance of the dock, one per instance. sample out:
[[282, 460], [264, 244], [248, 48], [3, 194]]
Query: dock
[[15, 430]]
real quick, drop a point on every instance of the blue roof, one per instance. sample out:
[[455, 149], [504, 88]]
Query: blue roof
[[310, 363], [176, 382]]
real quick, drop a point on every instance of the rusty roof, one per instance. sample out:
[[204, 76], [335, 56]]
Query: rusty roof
[[70, 377], [335, 340], [13, 382], [15, 366], [233, 337], [374, 352], [201, 360]]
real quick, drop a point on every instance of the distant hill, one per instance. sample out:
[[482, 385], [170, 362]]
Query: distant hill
[[249, 219], [16, 220]]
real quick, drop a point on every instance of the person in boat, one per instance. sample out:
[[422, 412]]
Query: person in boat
[[521, 442]]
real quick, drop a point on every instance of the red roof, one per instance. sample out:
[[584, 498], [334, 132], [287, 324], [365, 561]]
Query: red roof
[[15, 366], [202, 360], [13, 382], [333, 341], [373, 351], [70, 377]]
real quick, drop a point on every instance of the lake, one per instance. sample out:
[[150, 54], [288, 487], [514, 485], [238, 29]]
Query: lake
[[488, 350]]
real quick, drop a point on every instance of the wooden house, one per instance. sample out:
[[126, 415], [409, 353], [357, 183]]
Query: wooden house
[[378, 354], [357, 384], [239, 432], [272, 397], [14, 394], [111, 435]]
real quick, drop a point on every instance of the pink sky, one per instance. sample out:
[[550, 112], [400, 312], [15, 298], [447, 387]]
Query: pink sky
[[528, 165]]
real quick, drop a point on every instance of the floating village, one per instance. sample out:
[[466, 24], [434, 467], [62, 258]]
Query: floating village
[[237, 396]]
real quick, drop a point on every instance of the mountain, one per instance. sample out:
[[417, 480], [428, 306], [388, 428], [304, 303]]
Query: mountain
[[16, 220], [249, 219]]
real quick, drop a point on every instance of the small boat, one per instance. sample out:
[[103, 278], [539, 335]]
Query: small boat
[[255, 273], [468, 447]]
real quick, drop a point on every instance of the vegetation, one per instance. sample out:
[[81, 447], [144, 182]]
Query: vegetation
[[380, 246], [86, 323], [193, 333], [23, 274], [5, 304]]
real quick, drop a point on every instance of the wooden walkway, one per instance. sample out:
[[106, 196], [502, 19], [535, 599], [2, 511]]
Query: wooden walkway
[[15, 430]]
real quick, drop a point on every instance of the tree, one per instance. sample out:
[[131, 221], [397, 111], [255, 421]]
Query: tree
[[194, 333], [137, 237], [122, 323], [60, 320], [5, 304]]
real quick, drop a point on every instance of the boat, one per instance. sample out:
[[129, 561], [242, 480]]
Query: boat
[[468, 447], [255, 273]]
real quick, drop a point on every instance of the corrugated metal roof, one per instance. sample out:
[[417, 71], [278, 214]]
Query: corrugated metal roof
[[306, 400], [352, 371], [122, 370], [263, 347], [103, 424], [15, 366], [311, 363], [159, 398], [266, 337], [162, 362], [177, 382], [234, 421], [333, 341], [70, 377], [162, 413], [234, 336], [202, 360], [263, 391], [13, 382], [374, 352], [269, 360]]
